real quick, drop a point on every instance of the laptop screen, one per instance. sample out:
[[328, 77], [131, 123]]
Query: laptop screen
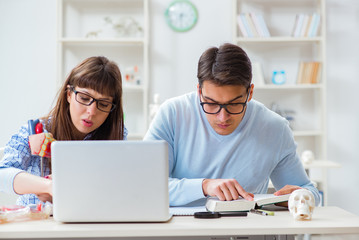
[[110, 181]]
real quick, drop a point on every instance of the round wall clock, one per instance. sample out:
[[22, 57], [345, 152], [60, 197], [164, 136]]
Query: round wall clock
[[181, 15]]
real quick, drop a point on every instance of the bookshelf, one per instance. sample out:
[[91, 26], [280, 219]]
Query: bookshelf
[[118, 30], [283, 50]]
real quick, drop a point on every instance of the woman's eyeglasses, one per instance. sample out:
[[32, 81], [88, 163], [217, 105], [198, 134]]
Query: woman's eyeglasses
[[87, 100]]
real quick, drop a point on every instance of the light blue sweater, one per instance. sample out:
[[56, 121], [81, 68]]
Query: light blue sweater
[[262, 147]]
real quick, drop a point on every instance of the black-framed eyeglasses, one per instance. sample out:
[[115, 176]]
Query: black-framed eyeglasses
[[231, 108], [87, 100]]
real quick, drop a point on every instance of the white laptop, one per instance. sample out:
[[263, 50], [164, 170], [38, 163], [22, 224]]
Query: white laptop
[[110, 181]]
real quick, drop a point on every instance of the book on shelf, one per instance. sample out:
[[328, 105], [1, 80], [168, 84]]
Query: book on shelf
[[257, 24], [298, 25], [242, 28], [246, 25], [257, 74], [310, 26], [213, 204], [263, 25], [309, 72], [306, 25], [314, 30], [252, 25]]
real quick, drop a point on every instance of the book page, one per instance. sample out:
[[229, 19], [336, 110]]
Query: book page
[[215, 205], [263, 199]]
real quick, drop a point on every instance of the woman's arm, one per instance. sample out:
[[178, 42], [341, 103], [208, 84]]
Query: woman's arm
[[25, 183]]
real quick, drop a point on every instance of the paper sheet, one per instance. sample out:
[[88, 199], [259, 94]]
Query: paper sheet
[[186, 211]]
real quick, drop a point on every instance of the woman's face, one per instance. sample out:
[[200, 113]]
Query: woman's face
[[87, 118]]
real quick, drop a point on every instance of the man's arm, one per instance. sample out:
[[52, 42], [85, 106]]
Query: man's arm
[[290, 175], [181, 191]]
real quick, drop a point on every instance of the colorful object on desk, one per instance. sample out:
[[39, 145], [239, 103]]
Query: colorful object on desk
[[39, 128], [301, 204], [39, 141], [32, 126], [40, 144], [262, 212], [12, 213]]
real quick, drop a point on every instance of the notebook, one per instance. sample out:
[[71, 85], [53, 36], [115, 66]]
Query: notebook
[[110, 181]]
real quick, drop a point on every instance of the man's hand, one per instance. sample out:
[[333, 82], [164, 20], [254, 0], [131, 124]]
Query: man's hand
[[287, 189], [224, 189]]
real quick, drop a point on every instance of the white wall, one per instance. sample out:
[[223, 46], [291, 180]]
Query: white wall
[[27, 62], [343, 114], [28, 71], [174, 56]]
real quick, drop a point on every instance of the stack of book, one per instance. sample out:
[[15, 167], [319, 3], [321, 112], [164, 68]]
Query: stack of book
[[306, 25], [309, 72], [252, 25]]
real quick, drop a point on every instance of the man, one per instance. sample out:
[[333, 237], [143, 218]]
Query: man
[[222, 142]]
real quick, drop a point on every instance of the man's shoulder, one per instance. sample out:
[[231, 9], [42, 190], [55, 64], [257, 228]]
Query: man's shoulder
[[183, 97], [185, 100], [263, 114]]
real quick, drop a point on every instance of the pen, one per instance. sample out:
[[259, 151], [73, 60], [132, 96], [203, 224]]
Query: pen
[[270, 213], [262, 212]]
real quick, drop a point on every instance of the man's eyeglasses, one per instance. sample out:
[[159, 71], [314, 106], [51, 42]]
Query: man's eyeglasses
[[231, 108], [87, 100]]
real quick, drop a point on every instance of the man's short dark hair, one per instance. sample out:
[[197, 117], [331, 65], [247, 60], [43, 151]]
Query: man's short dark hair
[[226, 65]]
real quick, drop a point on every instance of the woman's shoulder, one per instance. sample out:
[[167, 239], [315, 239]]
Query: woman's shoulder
[[23, 132], [18, 145]]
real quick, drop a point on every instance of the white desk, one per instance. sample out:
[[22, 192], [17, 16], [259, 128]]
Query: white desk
[[326, 220]]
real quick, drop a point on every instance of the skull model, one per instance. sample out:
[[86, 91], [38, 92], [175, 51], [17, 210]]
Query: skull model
[[307, 156], [301, 204]]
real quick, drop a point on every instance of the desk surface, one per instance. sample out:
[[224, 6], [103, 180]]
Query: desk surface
[[326, 220]]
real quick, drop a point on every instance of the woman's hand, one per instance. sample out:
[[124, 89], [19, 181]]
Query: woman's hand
[[44, 197]]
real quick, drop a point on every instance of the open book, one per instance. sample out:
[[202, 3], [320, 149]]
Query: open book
[[213, 204]]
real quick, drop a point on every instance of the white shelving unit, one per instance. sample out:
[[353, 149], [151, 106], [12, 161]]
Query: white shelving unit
[[84, 32], [282, 51]]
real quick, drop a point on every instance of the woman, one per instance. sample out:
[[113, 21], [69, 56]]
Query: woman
[[89, 107]]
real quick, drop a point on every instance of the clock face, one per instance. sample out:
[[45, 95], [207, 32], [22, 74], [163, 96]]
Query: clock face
[[278, 77], [181, 15]]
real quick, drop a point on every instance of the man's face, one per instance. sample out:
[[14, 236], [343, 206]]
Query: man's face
[[223, 122]]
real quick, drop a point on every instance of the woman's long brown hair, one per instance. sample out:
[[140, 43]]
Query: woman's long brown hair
[[101, 75]]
